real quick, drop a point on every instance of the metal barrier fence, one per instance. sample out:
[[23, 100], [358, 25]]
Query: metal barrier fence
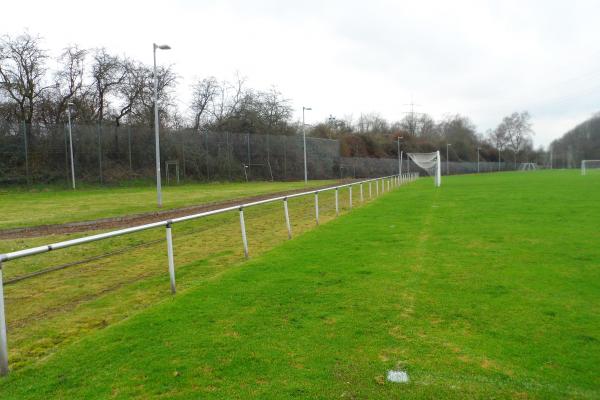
[[381, 185], [104, 154]]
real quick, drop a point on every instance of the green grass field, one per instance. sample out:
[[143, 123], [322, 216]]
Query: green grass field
[[485, 288], [39, 206]]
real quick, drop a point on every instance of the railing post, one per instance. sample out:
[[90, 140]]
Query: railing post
[[243, 229], [337, 207], [350, 191], [377, 187], [3, 339], [317, 207], [170, 257], [361, 193], [287, 218], [388, 182], [370, 190]]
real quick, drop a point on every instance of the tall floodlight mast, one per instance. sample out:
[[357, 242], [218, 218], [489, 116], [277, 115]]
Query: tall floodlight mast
[[156, 123]]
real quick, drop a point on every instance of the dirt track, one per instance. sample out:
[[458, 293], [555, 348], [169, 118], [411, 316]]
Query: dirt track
[[133, 219]]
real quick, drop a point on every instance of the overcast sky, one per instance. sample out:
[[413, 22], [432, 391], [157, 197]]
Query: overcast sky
[[482, 59]]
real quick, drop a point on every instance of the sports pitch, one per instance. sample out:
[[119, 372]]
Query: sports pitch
[[487, 287]]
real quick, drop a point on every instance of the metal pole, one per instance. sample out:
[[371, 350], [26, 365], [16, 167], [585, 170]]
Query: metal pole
[[304, 141], [370, 193], [317, 207], [499, 158], [26, 153], [243, 229], [71, 146], [478, 160], [287, 218], [99, 131], [350, 192], [129, 147], [376, 187], [3, 340], [447, 165], [361, 193], [156, 133], [401, 161], [170, 256], [337, 207], [399, 157]]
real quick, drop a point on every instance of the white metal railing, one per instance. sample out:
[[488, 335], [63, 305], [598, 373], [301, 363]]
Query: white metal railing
[[380, 183]]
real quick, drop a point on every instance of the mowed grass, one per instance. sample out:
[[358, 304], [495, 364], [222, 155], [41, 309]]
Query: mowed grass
[[116, 278], [43, 206], [485, 288]]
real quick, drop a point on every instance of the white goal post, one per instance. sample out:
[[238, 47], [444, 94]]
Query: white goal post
[[586, 164], [431, 163]]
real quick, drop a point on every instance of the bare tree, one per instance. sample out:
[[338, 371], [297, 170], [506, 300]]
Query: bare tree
[[274, 110], [142, 110], [67, 85], [203, 93], [131, 89], [108, 74], [517, 130], [22, 70]]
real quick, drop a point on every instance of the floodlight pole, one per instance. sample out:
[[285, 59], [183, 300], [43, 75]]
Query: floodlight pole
[[71, 145], [399, 156], [447, 164], [478, 160], [156, 123], [304, 140]]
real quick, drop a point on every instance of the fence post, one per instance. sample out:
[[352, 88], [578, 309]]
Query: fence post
[[317, 207], [3, 340], [361, 193], [129, 147], [350, 192], [370, 190], [170, 256], [243, 229], [337, 208], [287, 218], [26, 153], [388, 182], [99, 134], [376, 187]]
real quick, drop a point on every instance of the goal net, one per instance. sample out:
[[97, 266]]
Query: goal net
[[430, 162], [528, 166], [589, 165]]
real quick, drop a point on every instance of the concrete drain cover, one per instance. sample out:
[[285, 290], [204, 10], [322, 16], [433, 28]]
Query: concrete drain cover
[[397, 376]]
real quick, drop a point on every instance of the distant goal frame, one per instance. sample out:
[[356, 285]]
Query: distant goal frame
[[583, 166]]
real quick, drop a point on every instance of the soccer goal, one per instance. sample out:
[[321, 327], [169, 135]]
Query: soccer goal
[[589, 164], [431, 163], [528, 166]]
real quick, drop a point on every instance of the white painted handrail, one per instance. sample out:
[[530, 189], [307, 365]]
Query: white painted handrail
[[392, 180]]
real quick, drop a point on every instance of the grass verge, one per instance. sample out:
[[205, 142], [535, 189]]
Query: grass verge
[[485, 288]]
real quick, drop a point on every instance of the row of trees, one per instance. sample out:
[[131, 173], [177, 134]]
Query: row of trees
[[580, 143], [107, 89], [373, 136]]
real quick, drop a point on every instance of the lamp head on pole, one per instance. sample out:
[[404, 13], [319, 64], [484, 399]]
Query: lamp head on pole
[[162, 46]]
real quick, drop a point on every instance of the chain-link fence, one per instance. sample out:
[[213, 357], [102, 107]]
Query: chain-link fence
[[110, 154]]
